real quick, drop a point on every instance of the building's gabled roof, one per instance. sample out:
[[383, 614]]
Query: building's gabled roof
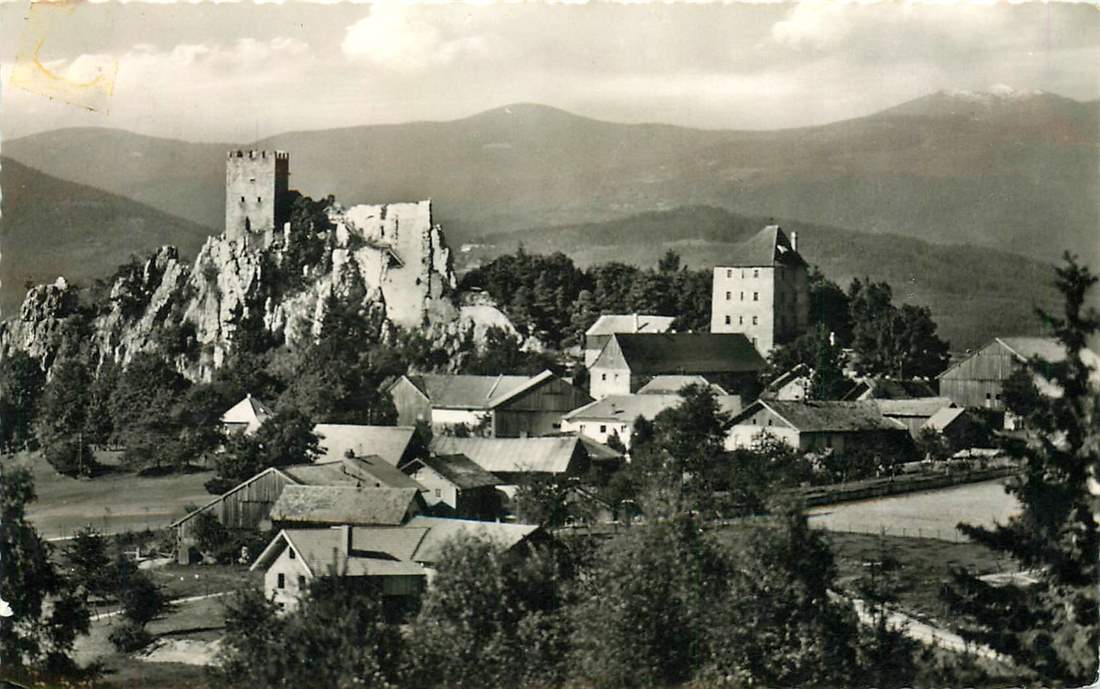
[[367, 472], [441, 530], [943, 418], [249, 410], [685, 353], [388, 442], [921, 406], [598, 452], [243, 484], [1046, 348], [890, 389], [327, 550], [608, 324], [502, 396], [799, 371], [343, 505], [459, 469], [810, 416], [400, 542], [465, 391], [766, 248], [673, 384], [552, 454], [626, 408]]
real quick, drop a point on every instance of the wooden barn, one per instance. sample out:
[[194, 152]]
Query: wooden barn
[[498, 406]]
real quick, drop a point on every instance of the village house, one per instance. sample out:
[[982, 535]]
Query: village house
[[248, 505], [912, 413], [615, 415], [395, 445], [245, 416], [630, 360], [977, 381], [672, 385], [958, 425], [764, 294], [303, 506], [792, 385], [513, 459], [815, 426], [597, 336], [455, 486], [498, 406]]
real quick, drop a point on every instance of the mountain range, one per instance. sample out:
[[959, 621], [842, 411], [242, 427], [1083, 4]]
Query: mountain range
[[1017, 172]]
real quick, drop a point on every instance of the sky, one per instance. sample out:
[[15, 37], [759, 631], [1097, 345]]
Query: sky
[[238, 72]]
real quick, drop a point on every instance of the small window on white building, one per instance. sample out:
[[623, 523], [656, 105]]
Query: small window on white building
[[290, 553], [756, 296], [740, 320], [754, 342], [727, 320], [242, 199], [754, 320], [603, 376], [301, 581], [728, 295], [280, 581], [742, 296], [438, 492], [603, 428], [729, 273], [755, 273], [259, 200]]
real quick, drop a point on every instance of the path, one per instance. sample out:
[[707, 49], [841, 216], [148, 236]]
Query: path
[[174, 601]]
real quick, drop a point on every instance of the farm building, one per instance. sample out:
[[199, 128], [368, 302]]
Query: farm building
[[913, 413], [393, 444], [310, 506], [597, 336], [672, 385], [614, 415], [629, 361], [379, 559], [958, 424], [978, 380], [792, 385], [500, 406], [514, 538], [454, 486], [813, 425], [245, 416], [513, 458], [248, 505]]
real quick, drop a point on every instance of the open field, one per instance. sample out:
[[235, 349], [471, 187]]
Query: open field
[[927, 514], [113, 503]]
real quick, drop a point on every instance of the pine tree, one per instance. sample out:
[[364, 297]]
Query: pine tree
[[1051, 626]]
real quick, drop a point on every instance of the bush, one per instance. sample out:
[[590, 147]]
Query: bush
[[129, 636]]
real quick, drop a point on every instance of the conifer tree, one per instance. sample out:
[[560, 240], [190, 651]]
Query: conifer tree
[[1052, 625]]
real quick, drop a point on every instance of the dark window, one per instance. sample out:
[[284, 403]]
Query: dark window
[[755, 273], [258, 199], [438, 492], [290, 553], [281, 583], [727, 320], [603, 376], [756, 296], [727, 296], [754, 320], [742, 296], [740, 320], [729, 273], [301, 581], [242, 199]]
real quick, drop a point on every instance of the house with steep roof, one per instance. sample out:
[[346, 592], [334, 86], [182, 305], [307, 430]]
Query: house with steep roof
[[513, 538], [912, 413], [631, 360], [673, 384], [512, 459], [499, 406], [377, 560], [763, 293], [597, 336], [792, 385], [978, 380], [615, 415], [301, 506], [815, 425], [395, 445], [455, 486], [958, 424], [246, 416]]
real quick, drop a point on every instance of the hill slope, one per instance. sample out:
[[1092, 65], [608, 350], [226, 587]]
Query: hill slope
[[53, 227], [973, 292], [1016, 171]]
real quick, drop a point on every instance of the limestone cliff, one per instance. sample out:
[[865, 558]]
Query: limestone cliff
[[389, 263]]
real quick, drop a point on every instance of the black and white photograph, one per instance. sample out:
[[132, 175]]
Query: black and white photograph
[[549, 345]]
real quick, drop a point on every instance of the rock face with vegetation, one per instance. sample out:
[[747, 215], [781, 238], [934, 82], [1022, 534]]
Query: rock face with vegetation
[[388, 264]]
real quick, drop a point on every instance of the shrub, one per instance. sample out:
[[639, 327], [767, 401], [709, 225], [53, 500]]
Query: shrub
[[129, 636]]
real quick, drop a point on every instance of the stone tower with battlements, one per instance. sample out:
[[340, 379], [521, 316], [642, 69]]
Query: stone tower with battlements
[[257, 201]]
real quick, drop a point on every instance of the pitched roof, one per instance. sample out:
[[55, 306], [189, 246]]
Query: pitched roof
[[608, 324], [461, 471], [1046, 348], [894, 389], [920, 406], [325, 550], [799, 371], [598, 452], [626, 408], [767, 247], [943, 418], [668, 384], [442, 530], [502, 396], [370, 472], [343, 505], [465, 391], [808, 416], [388, 442], [397, 541], [551, 454], [687, 353], [248, 410]]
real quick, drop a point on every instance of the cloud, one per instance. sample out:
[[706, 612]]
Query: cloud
[[814, 25], [400, 38]]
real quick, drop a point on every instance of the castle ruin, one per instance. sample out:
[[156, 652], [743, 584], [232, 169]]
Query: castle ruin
[[257, 199]]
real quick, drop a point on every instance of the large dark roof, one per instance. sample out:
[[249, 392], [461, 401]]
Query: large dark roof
[[686, 353], [343, 505], [767, 247], [461, 471], [808, 416], [466, 391]]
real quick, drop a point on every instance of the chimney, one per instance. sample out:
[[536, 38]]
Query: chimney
[[635, 321], [794, 240]]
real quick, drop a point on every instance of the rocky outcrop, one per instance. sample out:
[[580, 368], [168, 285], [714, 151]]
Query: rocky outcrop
[[388, 264]]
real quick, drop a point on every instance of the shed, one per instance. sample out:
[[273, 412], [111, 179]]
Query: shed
[[322, 505], [913, 413], [816, 425], [512, 458], [455, 486], [246, 416]]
